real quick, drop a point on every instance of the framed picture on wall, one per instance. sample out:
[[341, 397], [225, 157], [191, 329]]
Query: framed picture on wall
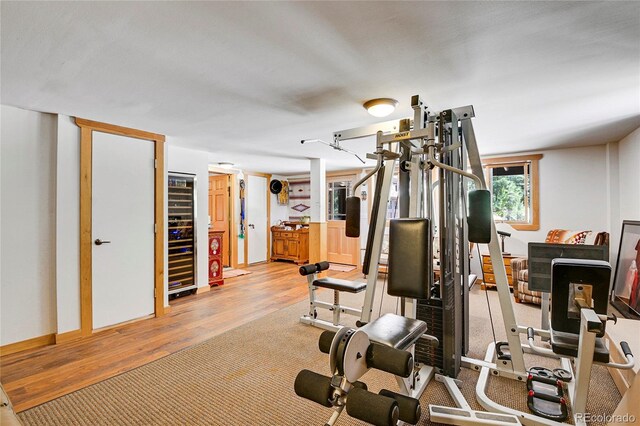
[[625, 294]]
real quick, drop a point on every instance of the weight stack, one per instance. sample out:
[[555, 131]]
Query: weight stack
[[430, 311]]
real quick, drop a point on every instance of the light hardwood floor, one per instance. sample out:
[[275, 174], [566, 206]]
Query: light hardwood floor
[[39, 375]]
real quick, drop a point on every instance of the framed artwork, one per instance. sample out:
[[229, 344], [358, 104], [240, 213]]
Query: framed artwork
[[625, 294], [299, 198]]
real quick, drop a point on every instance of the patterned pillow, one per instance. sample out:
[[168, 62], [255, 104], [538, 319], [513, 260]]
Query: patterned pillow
[[562, 236]]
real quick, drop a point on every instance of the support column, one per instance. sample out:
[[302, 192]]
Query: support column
[[318, 225]]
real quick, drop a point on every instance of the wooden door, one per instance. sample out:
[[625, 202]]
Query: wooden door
[[340, 248], [219, 212], [278, 246], [293, 248]]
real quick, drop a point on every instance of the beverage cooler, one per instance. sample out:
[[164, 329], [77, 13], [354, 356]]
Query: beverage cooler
[[181, 226]]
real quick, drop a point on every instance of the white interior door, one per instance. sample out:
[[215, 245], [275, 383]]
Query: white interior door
[[123, 215], [257, 219]]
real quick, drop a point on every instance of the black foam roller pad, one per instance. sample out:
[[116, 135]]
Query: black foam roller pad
[[360, 385], [626, 350], [352, 225], [391, 360], [322, 266], [325, 340], [308, 269], [480, 217], [314, 387], [376, 409], [410, 410]]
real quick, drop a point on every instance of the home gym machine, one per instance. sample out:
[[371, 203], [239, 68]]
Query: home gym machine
[[441, 148]]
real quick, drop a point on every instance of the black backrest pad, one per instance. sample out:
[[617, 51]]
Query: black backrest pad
[[566, 276], [410, 258], [352, 224], [480, 216]]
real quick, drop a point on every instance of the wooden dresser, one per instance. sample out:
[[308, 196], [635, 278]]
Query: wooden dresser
[[215, 258], [290, 245], [488, 276]]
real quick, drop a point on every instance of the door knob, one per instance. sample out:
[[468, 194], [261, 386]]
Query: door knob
[[100, 242], [252, 226]]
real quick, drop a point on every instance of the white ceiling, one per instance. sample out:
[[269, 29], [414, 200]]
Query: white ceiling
[[247, 80]]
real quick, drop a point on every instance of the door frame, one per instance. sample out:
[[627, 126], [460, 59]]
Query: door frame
[[246, 219], [87, 127]]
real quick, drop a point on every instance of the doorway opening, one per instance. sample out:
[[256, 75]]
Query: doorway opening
[[221, 214]]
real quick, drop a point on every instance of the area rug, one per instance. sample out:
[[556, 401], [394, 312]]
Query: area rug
[[232, 273], [245, 377], [341, 268]]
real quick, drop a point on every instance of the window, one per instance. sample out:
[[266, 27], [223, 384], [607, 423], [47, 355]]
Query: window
[[392, 206], [338, 192], [513, 182]]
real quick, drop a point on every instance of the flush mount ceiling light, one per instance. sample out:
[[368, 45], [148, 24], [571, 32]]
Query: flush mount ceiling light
[[380, 107], [226, 165]]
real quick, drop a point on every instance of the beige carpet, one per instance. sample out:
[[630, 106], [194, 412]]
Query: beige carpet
[[245, 377], [233, 272]]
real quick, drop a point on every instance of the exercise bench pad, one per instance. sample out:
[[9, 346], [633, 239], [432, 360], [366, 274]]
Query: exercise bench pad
[[340, 285], [395, 330], [567, 344]]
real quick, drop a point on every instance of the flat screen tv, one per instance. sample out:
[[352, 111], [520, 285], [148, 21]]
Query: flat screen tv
[[625, 292]]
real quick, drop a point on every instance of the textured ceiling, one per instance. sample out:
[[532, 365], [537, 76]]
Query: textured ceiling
[[247, 80]]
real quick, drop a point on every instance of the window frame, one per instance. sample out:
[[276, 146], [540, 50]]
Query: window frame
[[338, 177], [534, 176]]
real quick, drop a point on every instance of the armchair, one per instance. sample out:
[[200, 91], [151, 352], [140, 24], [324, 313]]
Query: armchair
[[519, 266]]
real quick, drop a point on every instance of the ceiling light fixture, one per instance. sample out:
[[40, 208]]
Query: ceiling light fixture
[[380, 107], [226, 165]]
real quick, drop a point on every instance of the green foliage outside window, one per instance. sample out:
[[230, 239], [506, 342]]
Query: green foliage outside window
[[508, 197]]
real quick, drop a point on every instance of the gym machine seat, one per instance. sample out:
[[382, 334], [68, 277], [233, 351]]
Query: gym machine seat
[[395, 331], [340, 285], [567, 344]]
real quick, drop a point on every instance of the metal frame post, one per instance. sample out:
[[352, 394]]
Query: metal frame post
[[376, 247], [586, 346], [502, 284]]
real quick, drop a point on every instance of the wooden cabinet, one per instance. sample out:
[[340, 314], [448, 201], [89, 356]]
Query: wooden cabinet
[[215, 249], [488, 276], [290, 244]]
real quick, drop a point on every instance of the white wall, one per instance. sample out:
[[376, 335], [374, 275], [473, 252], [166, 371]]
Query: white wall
[[573, 195], [27, 224], [278, 212], [629, 176], [68, 225], [624, 180], [184, 160]]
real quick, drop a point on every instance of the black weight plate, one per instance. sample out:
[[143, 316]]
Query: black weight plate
[[563, 374], [542, 372]]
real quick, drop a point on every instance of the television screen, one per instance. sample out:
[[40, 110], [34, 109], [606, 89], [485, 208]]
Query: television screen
[[626, 286]]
